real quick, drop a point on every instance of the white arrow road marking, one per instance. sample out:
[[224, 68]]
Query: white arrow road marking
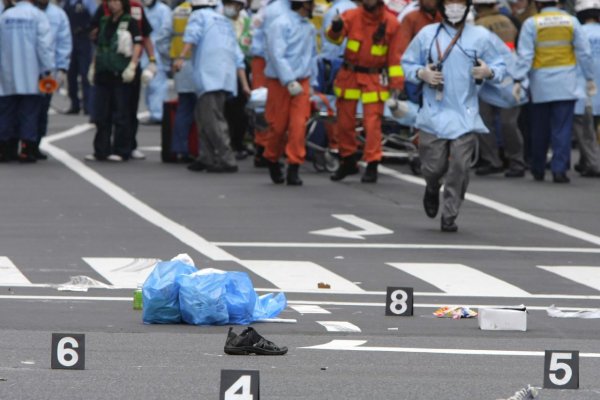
[[367, 228], [309, 309], [356, 345], [122, 272], [459, 280], [299, 275], [588, 276], [10, 274], [339, 326]]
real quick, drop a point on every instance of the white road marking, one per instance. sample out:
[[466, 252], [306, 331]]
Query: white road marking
[[367, 228], [135, 205], [401, 246], [10, 274], [588, 276], [339, 326], [460, 280], [299, 275], [504, 209], [357, 345], [150, 148], [309, 309], [122, 272]]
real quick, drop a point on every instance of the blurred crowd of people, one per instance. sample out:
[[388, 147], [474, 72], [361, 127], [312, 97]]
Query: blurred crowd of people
[[512, 78]]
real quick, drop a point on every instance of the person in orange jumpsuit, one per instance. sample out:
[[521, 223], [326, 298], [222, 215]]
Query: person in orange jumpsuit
[[371, 69]]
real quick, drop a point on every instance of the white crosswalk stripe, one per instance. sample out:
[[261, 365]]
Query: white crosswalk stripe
[[10, 274], [309, 309], [122, 272], [585, 275], [458, 279], [339, 326]]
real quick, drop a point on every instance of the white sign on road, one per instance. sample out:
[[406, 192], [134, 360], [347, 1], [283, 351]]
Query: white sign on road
[[367, 228]]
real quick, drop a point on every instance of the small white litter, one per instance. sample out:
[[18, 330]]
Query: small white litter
[[554, 312], [80, 283]]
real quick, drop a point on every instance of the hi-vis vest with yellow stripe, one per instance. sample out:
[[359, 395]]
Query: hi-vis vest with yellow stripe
[[181, 14], [554, 44]]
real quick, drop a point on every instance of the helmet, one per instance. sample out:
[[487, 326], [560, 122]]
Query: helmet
[[204, 3], [475, 2], [581, 5]]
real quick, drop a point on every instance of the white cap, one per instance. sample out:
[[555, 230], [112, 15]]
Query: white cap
[[485, 1], [204, 3], [581, 5]]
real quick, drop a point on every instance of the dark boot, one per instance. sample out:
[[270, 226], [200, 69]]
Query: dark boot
[[27, 154], [275, 172], [12, 149], [370, 175], [3, 155], [448, 224], [38, 153], [347, 167], [292, 175], [259, 160]]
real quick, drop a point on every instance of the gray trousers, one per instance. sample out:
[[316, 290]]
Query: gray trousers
[[510, 133], [213, 132], [449, 160], [585, 133]]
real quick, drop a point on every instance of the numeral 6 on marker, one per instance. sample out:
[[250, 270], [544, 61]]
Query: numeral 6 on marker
[[68, 351]]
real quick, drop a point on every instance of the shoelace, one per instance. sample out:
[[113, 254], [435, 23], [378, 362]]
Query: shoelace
[[527, 393]]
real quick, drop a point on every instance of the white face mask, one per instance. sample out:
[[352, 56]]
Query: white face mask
[[455, 12], [230, 12]]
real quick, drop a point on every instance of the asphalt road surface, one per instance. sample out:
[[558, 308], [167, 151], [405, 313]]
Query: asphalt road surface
[[519, 242]]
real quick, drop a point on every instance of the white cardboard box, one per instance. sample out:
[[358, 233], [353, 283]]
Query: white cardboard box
[[502, 319]]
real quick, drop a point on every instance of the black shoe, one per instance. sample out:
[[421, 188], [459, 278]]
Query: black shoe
[[38, 154], [259, 160], [560, 177], [196, 166], [27, 154], [241, 155], [431, 202], [370, 175], [72, 111], [488, 170], [347, 167], [275, 172], [292, 178], [579, 167], [538, 176], [250, 342], [589, 173], [225, 169], [448, 225], [514, 173]]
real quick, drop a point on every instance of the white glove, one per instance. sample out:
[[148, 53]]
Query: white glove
[[482, 71], [429, 75], [295, 88], [149, 73], [91, 73], [590, 88], [61, 78], [129, 73], [516, 91], [124, 43], [398, 108]]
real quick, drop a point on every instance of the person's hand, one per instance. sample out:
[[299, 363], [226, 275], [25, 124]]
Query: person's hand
[[149, 73], [61, 76], [91, 73], [430, 75], [337, 24], [247, 91], [516, 91], [295, 88], [590, 88], [398, 108], [178, 65], [481, 71], [129, 73]]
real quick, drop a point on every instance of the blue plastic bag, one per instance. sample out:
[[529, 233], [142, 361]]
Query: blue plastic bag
[[269, 306], [161, 293], [240, 298], [202, 297]]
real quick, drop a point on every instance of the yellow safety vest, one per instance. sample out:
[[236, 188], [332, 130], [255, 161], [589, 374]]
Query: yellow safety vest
[[181, 14], [554, 44]]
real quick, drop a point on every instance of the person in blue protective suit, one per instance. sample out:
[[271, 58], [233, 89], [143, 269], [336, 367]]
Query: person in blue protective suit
[[218, 63], [26, 55], [450, 59], [62, 45], [80, 14], [160, 17], [584, 128], [169, 44], [551, 44]]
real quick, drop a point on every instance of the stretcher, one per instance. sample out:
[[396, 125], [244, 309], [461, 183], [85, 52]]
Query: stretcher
[[399, 139]]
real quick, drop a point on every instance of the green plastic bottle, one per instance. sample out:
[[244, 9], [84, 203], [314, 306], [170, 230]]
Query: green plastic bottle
[[137, 298]]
